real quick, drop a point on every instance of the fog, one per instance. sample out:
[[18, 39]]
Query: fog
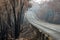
[[47, 10]]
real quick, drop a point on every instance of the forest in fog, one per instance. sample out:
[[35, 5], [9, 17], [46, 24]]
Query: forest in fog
[[50, 11], [13, 23]]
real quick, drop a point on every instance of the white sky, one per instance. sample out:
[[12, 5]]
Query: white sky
[[40, 1]]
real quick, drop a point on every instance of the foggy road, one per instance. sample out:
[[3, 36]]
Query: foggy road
[[51, 29]]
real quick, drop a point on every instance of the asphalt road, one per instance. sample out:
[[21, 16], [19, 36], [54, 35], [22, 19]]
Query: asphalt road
[[51, 29]]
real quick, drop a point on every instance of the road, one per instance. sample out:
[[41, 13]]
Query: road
[[51, 29]]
